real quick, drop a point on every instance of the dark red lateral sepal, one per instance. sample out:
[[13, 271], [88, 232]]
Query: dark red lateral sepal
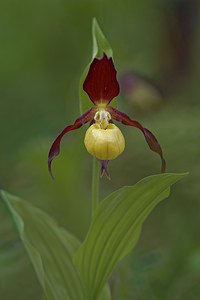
[[150, 138], [104, 167], [55, 148], [101, 83]]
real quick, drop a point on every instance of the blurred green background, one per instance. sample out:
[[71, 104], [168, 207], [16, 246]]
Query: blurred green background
[[44, 48]]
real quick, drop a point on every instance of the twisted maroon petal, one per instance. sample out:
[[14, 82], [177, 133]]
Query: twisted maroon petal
[[101, 83], [55, 148], [150, 138]]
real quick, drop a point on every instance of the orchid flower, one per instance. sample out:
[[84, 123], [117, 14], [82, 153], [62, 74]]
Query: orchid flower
[[103, 139]]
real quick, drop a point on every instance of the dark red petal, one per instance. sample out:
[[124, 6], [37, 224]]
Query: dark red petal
[[55, 148], [150, 138], [101, 83]]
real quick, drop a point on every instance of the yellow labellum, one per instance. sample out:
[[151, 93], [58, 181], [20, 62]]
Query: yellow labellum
[[104, 144]]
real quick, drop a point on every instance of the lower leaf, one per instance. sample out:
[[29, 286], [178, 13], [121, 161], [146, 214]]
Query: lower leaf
[[50, 248], [115, 228]]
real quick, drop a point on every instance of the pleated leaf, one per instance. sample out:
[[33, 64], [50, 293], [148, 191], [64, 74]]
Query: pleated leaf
[[50, 248], [115, 228], [100, 45]]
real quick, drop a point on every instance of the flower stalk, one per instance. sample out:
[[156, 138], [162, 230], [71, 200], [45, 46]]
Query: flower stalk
[[95, 185]]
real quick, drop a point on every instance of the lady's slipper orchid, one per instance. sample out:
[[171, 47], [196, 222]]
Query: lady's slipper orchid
[[103, 139]]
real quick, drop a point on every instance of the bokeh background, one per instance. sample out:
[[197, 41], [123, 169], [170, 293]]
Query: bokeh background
[[44, 48]]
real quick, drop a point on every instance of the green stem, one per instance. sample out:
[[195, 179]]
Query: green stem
[[95, 185]]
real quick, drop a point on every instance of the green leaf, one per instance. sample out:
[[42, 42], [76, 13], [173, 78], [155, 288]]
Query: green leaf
[[100, 45], [115, 228], [50, 248]]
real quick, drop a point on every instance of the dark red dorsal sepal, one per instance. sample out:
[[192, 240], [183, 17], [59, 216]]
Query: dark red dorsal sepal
[[101, 83]]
